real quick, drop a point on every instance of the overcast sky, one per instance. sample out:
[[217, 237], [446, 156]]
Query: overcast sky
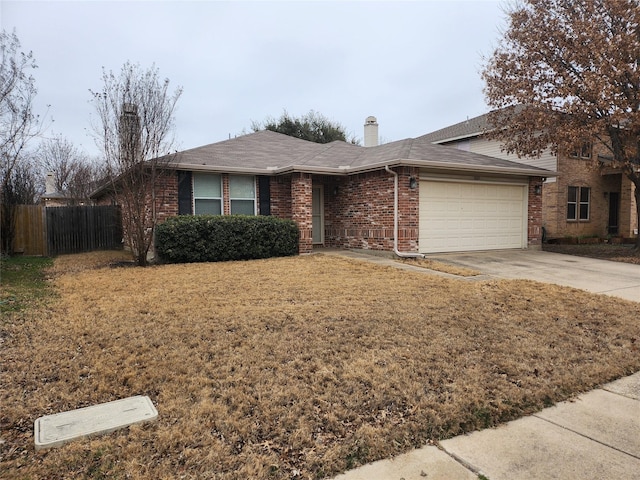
[[414, 65]]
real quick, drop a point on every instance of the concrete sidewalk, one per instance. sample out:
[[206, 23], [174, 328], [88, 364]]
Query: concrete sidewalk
[[596, 436]]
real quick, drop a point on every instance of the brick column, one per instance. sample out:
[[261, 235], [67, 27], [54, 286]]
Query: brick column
[[301, 198], [534, 214], [408, 209]]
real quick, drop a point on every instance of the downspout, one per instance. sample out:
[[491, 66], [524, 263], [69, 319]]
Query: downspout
[[395, 219]]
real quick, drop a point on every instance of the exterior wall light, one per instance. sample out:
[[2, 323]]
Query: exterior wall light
[[413, 183], [537, 189]]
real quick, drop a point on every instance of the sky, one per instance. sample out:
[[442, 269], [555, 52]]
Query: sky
[[414, 65]]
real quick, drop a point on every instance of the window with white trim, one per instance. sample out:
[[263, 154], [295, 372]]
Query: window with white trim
[[578, 203], [242, 195], [207, 194]]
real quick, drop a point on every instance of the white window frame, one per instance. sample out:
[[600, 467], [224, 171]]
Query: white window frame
[[193, 187], [253, 199]]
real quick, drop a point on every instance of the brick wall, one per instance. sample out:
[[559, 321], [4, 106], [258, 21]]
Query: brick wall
[[534, 214], [167, 196], [408, 209], [576, 172], [281, 196], [301, 197], [359, 211]]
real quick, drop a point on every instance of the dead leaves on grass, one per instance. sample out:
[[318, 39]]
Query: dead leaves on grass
[[299, 366]]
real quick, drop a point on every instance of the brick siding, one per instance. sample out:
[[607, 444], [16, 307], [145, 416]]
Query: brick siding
[[575, 172], [534, 214], [359, 211], [301, 196]]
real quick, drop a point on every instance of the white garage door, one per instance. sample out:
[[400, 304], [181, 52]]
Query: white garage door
[[457, 217]]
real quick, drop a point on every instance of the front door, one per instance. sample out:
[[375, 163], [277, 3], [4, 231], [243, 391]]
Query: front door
[[614, 209], [317, 215]]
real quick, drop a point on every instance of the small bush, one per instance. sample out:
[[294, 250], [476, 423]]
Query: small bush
[[215, 238]]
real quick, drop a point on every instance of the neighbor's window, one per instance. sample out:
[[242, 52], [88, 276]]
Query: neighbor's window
[[585, 151], [207, 194], [242, 195], [578, 203]]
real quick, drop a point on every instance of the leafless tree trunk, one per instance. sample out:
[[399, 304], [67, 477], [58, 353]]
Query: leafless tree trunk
[[18, 125], [134, 128]]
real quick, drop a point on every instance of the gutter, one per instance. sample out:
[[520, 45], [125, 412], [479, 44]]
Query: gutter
[[395, 219], [525, 170]]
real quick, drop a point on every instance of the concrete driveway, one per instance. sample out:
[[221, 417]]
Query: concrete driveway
[[599, 276]]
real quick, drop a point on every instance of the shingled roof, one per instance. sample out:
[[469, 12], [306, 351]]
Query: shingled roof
[[271, 153], [472, 127]]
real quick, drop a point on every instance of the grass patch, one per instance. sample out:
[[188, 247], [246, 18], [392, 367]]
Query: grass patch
[[440, 267], [293, 367], [23, 282]]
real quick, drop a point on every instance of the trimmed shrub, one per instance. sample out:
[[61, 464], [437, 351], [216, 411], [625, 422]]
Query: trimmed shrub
[[217, 238]]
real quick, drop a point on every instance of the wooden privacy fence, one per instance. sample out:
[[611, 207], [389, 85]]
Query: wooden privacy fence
[[62, 230], [30, 229]]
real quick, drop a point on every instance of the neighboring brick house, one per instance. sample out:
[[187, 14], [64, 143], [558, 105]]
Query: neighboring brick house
[[583, 200], [53, 198], [407, 196]]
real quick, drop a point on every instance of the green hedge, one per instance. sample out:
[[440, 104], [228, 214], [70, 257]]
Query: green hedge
[[216, 238]]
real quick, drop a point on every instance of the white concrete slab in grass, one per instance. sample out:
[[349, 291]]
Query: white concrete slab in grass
[[60, 428]]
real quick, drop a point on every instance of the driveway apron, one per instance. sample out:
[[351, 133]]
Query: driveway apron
[[593, 275]]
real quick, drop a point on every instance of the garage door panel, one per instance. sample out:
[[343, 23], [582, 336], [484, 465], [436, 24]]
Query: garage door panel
[[470, 216]]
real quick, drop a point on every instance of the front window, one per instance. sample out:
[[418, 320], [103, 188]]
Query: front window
[[578, 203], [242, 195], [207, 194], [584, 152]]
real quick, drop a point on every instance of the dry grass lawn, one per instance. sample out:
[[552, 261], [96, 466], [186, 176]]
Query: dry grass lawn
[[296, 367], [440, 267]]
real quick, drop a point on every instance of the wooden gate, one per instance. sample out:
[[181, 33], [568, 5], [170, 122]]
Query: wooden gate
[[83, 229], [30, 236]]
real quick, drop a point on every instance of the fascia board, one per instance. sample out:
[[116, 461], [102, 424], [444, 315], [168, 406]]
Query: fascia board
[[459, 137], [489, 169], [463, 167], [368, 168]]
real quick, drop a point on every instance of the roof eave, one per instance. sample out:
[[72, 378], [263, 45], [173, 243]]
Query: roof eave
[[459, 137], [348, 170], [463, 167]]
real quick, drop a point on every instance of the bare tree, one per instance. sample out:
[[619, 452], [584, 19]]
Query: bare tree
[[134, 129], [570, 70], [18, 125], [74, 174]]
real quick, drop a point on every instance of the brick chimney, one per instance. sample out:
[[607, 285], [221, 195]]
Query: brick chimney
[[130, 133], [371, 132]]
